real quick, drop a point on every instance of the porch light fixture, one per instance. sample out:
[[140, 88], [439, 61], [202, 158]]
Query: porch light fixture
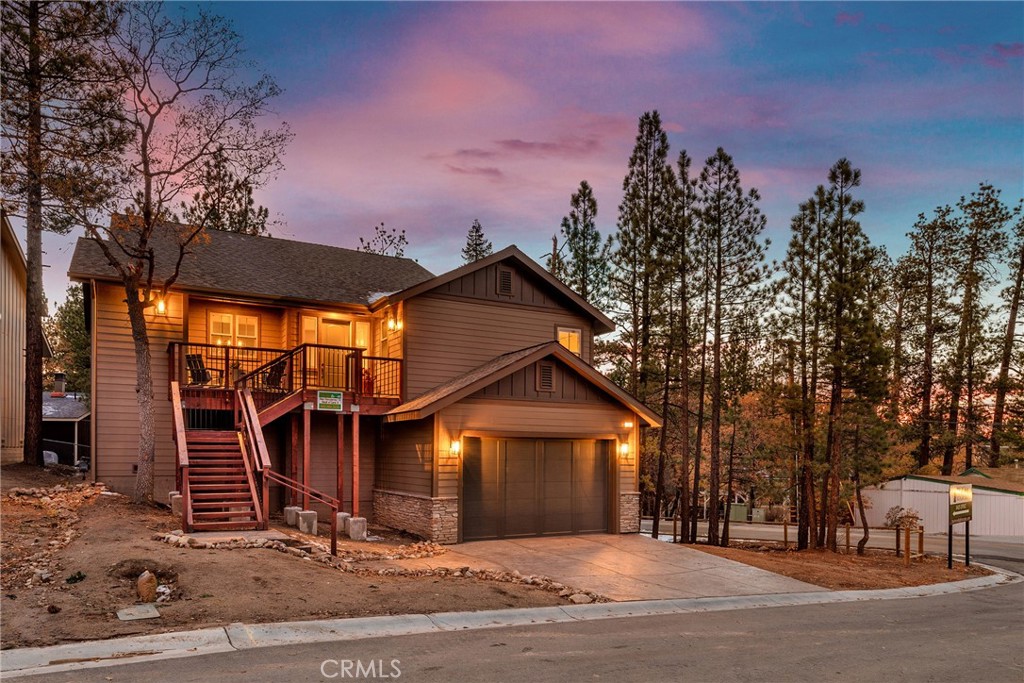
[[455, 448], [624, 450], [628, 424], [161, 307], [391, 324]]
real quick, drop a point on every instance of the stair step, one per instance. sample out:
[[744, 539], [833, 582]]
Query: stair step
[[214, 462], [230, 497], [225, 526], [219, 488], [214, 504], [202, 470], [239, 516]]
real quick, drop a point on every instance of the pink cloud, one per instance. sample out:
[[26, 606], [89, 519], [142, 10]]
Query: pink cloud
[[486, 171], [849, 19]]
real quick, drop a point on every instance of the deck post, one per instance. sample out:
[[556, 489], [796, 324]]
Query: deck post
[[306, 418], [292, 494], [355, 461], [341, 460]]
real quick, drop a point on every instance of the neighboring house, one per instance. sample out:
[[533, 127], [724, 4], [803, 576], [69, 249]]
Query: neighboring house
[[66, 425], [13, 278], [455, 407], [998, 505]]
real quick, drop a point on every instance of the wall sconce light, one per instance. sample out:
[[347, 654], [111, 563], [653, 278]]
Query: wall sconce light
[[391, 324], [399, 324], [624, 450], [455, 447], [161, 307]]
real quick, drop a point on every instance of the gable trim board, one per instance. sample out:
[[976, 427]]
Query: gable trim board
[[469, 383]]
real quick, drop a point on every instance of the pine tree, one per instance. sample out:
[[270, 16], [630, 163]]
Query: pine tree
[[61, 134], [1012, 296], [477, 246], [982, 238], [224, 201], [587, 266], [71, 344], [733, 225]]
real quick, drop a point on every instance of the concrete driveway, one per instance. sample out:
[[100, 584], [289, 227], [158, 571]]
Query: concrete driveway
[[620, 567]]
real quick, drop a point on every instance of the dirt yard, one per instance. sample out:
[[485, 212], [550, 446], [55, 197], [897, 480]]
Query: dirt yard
[[70, 560], [875, 569], [71, 554]]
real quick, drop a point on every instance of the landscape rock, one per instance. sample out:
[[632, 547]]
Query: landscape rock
[[580, 599], [146, 586]]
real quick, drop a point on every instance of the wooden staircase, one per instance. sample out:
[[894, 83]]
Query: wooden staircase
[[223, 493]]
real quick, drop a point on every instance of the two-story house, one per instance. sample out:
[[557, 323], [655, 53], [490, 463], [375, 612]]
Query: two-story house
[[457, 407]]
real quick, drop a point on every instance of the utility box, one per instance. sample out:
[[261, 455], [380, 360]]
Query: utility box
[[737, 513], [758, 515]]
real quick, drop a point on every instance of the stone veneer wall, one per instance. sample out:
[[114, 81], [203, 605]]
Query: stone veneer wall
[[435, 519], [629, 513]]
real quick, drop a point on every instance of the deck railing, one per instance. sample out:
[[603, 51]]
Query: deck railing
[[213, 366], [181, 457]]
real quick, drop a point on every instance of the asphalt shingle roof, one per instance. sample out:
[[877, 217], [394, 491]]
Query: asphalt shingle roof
[[233, 263]]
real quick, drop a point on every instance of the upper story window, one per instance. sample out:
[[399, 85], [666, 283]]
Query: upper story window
[[571, 338], [234, 329]]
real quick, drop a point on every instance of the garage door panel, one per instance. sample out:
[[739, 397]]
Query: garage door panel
[[529, 487]]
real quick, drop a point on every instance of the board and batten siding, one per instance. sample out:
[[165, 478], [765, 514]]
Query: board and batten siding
[[533, 420], [446, 337], [406, 462], [12, 350], [115, 408], [323, 460]]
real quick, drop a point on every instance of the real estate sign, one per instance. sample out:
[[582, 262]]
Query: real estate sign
[[961, 497], [330, 400]]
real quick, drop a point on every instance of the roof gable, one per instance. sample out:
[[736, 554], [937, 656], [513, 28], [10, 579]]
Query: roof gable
[[266, 267], [487, 374], [538, 287]]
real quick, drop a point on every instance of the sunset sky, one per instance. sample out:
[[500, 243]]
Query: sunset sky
[[429, 115]]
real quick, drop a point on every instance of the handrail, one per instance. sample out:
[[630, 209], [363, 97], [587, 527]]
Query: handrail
[[318, 496], [251, 421], [181, 453], [246, 458]]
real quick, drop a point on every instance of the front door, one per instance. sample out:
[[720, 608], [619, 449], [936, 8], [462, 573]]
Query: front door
[[333, 362]]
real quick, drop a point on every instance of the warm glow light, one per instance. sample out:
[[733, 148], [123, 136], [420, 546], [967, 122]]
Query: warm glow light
[[391, 323], [399, 324], [624, 449], [455, 448], [628, 424], [161, 306]]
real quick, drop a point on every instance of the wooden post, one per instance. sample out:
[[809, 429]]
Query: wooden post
[[292, 493], [355, 461], [906, 546], [341, 460], [675, 528], [920, 542], [785, 528], [306, 419], [897, 541], [847, 539]]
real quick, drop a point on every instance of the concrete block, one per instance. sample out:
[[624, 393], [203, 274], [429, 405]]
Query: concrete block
[[172, 494], [291, 515], [176, 503], [357, 528], [307, 522], [343, 518]]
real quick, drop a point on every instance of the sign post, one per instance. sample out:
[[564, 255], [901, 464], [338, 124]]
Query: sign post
[[961, 506]]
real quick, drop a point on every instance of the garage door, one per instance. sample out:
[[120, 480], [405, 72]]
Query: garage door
[[533, 487]]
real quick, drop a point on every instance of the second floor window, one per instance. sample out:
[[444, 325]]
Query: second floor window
[[231, 329], [571, 338]]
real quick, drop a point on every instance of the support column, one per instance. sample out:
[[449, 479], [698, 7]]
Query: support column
[[306, 416], [355, 461], [341, 461], [292, 495]]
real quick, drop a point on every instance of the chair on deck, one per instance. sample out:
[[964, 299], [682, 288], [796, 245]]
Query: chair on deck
[[198, 373], [273, 375]]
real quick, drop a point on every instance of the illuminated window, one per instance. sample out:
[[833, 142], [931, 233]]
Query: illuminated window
[[229, 329], [571, 338], [361, 335], [309, 331]]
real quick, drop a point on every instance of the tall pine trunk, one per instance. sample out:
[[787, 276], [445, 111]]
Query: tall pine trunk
[[659, 482], [957, 381], [924, 453], [32, 452], [144, 396], [728, 489], [715, 464], [699, 446], [1006, 355]]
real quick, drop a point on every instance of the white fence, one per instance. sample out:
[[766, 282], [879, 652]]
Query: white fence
[[995, 513]]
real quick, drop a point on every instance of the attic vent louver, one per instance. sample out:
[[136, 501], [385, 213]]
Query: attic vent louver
[[504, 281], [545, 376]]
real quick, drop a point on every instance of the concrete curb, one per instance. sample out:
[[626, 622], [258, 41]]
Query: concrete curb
[[233, 637]]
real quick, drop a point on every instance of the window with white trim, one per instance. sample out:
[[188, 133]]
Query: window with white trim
[[571, 338], [231, 329]]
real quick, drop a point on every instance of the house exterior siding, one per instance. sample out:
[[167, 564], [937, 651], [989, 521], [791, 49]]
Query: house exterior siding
[[12, 348], [448, 336]]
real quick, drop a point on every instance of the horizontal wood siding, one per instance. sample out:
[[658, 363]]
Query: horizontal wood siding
[[446, 337], [116, 412], [406, 457], [533, 419], [323, 458], [12, 352]]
